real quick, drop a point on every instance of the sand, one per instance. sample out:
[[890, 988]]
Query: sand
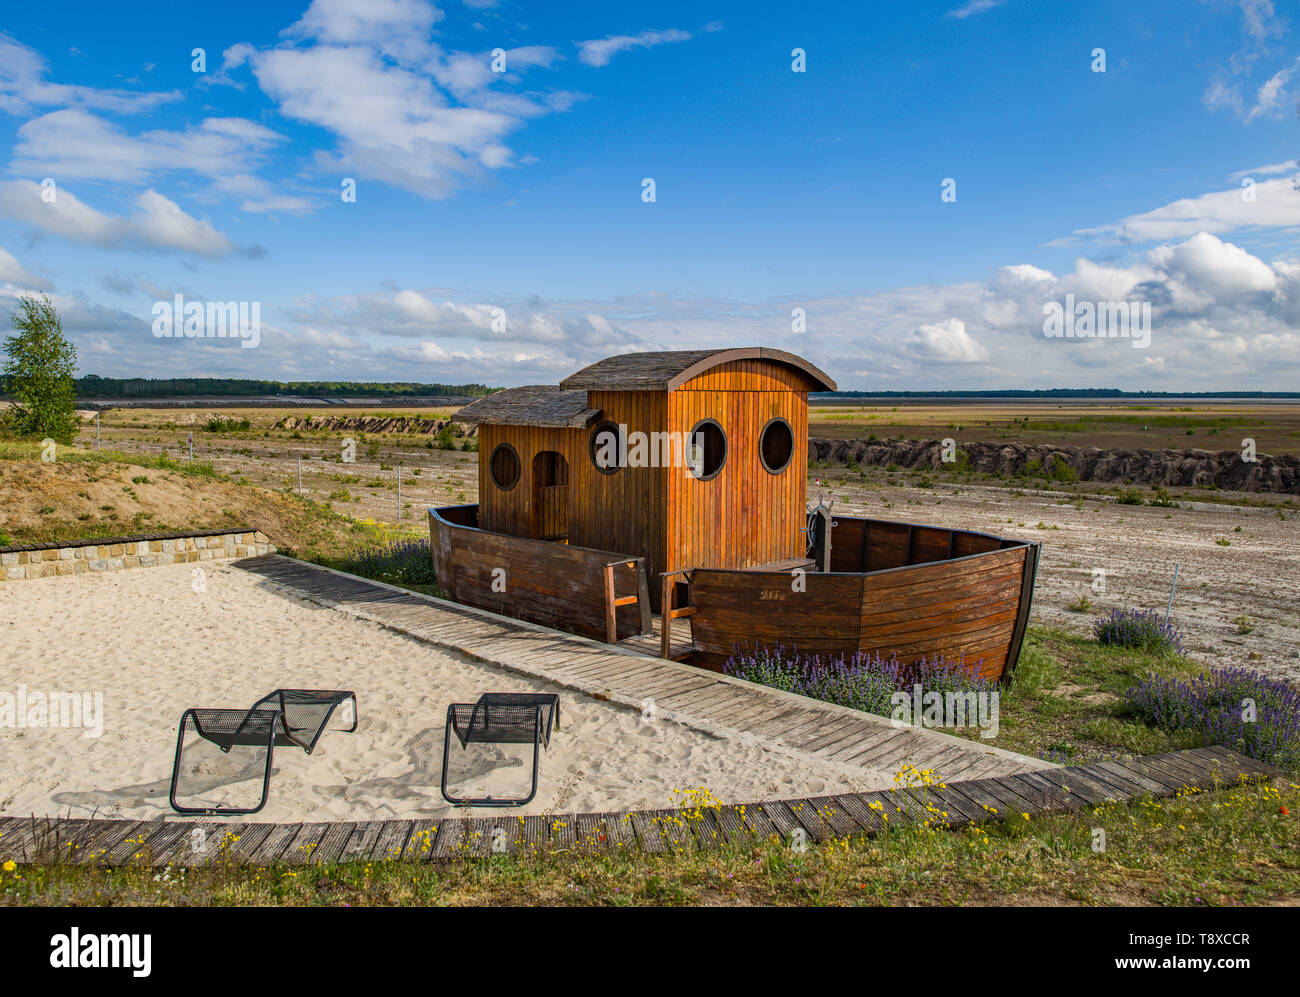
[[151, 646]]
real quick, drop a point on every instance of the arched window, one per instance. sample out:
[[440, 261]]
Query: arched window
[[707, 449], [608, 448], [776, 445], [504, 466]]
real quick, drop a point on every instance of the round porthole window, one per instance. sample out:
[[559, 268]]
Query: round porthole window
[[504, 466], [607, 447], [776, 445], [707, 449]]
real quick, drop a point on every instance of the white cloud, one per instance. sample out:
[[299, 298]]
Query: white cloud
[[946, 342], [1225, 90], [392, 124], [1221, 94], [1224, 271], [599, 51], [23, 86], [1276, 204], [398, 28], [404, 111], [1267, 170], [261, 197], [1259, 19], [973, 7], [1273, 96], [466, 74], [13, 272], [75, 143], [1221, 318], [159, 224]]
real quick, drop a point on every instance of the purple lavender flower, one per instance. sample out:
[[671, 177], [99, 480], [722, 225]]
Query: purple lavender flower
[[1140, 629], [1238, 708], [402, 562], [862, 681]]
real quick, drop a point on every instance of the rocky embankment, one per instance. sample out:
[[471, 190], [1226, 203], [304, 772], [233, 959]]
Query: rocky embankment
[[1223, 468], [378, 424]]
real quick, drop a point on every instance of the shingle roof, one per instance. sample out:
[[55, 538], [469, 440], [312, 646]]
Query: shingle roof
[[533, 405], [668, 370]]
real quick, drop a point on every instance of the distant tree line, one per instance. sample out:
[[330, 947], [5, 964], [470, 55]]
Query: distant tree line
[[94, 386], [1054, 393]]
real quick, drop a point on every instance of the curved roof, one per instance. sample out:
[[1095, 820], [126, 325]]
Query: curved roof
[[533, 405], [669, 370]]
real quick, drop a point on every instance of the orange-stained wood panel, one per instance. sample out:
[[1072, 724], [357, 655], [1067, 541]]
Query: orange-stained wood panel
[[744, 516], [514, 511]]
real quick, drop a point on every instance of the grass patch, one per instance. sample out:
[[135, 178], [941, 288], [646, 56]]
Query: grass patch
[[1227, 848], [1138, 629], [223, 424], [407, 563], [1065, 701], [12, 450]]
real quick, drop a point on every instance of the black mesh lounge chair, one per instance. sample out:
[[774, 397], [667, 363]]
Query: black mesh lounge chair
[[284, 718], [501, 718]]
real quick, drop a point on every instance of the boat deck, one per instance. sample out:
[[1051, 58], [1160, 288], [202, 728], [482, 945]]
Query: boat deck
[[652, 644], [789, 564]]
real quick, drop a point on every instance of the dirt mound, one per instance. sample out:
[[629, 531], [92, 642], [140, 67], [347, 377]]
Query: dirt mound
[[1223, 468], [379, 424], [66, 499]]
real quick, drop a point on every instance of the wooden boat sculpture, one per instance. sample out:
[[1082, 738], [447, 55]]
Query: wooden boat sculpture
[[689, 469]]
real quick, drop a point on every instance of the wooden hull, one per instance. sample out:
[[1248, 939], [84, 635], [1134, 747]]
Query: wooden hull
[[554, 584], [894, 588], [972, 608]]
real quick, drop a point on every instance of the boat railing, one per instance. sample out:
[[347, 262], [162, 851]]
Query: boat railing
[[670, 611], [867, 545], [613, 601]]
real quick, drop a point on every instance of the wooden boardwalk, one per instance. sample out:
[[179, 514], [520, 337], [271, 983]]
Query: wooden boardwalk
[[183, 842], [849, 740]]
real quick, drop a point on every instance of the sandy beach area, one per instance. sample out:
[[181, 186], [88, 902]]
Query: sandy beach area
[[149, 645]]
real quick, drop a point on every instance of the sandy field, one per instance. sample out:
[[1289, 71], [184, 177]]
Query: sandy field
[[153, 646]]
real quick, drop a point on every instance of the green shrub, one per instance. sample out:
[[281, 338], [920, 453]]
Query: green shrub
[[221, 424]]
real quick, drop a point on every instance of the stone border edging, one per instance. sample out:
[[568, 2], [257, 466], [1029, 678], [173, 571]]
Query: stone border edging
[[140, 550]]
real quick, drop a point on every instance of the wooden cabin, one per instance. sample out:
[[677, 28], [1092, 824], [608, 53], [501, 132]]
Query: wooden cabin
[[709, 453], [675, 483]]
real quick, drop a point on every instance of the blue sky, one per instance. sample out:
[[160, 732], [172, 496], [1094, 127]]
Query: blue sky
[[517, 195]]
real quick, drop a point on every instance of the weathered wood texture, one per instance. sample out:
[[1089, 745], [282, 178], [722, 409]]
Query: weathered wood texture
[[550, 484], [873, 545], [849, 815], [915, 602], [514, 511], [623, 511], [967, 608], [557, 585]]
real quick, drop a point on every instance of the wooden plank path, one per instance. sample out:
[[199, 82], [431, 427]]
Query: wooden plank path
[[850, 740], [982, 783], [181, 842]]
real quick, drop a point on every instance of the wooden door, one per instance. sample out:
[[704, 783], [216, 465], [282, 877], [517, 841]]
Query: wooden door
[[550, 496]]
